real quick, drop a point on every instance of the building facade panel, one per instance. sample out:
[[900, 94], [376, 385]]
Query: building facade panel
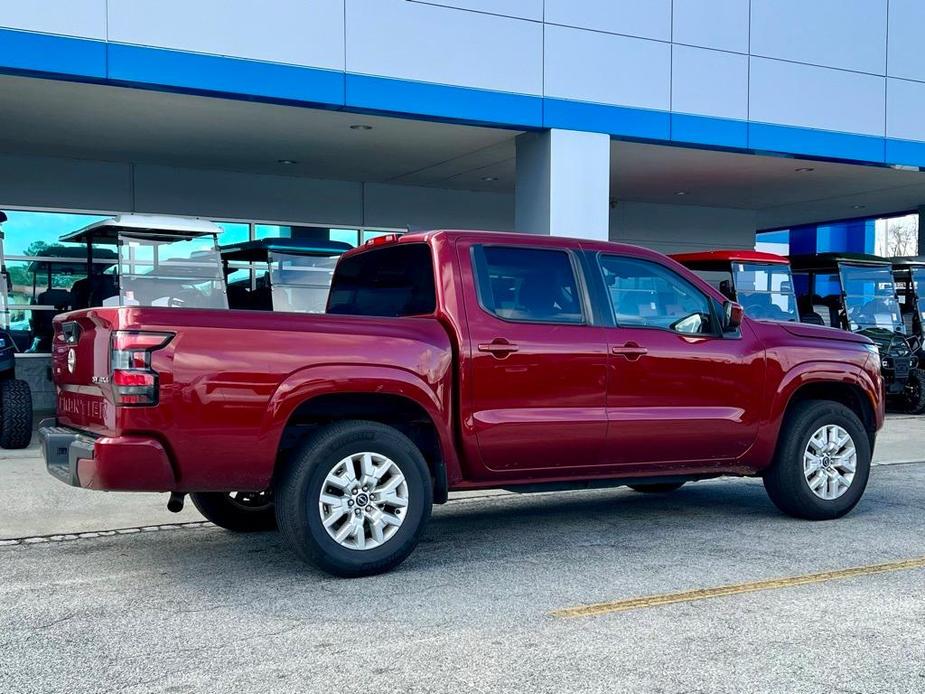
[[523, 9], [792, 94], [906, 57], [606, 68], [426, 43], [709, 82], [85, 18], [720, 24], [905, 104], [845, 34], [283, 31], [607, 64], [650, 19]]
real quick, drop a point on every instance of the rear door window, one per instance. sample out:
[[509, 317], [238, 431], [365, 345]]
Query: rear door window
[[395, 280], [528, 284]]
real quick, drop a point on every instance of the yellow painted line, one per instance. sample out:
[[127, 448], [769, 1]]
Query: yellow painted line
[[736, 589]]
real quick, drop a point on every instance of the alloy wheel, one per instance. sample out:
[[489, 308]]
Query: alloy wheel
[[829, 462], [363, 501]]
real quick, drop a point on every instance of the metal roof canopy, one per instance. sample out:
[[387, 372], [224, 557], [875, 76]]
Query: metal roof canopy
[[720, 259], [829, 261], [909, 261], [259, 250], [107, 231]]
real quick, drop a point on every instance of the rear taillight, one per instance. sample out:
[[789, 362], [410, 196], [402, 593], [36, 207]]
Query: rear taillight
[[133, 380]]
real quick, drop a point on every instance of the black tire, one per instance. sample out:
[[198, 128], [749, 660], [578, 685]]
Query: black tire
[[15, 414], [240, 512], [785, 481], [660, 488], [913, 397], [299, 489]]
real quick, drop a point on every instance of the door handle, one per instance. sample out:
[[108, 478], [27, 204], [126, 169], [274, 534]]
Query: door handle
[[499, 347], [630, 350]]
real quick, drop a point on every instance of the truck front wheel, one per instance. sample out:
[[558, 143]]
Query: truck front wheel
[[355, 498], [241, 512], [822, 461]]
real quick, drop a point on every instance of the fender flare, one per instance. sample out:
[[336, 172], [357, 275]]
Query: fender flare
[[806, 373], [342, 379], [818, 372]]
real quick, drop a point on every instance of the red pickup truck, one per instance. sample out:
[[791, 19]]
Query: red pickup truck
[[455, 360]]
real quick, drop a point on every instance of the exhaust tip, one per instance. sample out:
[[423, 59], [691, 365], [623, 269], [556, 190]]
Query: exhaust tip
[[175, 502]]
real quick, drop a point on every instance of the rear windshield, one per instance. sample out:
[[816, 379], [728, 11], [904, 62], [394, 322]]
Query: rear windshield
[[392, 281]]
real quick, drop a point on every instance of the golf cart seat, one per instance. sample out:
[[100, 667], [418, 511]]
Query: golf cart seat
[[41, 321], [85, 296], [260, 299], [812, 318]]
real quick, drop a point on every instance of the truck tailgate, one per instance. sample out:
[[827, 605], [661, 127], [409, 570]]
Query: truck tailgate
[[80, 365]]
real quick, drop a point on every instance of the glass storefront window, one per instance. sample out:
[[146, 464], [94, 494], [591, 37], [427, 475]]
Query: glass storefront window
[[43, 271]]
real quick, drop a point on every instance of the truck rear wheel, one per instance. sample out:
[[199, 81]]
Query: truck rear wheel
[[355, 498], [241, 512], [822, 463], [15, 413]]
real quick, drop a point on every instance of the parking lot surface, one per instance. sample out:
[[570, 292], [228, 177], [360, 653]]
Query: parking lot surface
[[201, 609]]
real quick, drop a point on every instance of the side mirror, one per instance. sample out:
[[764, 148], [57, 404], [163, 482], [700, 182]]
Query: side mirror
[[732, 316]]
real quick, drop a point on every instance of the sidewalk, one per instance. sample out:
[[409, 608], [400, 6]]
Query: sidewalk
[[37, 504]]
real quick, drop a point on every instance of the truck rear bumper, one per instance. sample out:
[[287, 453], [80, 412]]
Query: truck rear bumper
[[118, 463]]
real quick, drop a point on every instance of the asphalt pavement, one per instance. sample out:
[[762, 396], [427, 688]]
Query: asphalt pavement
[[200, 609]]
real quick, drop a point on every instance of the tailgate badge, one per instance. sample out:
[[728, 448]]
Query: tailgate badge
[[71, 360]]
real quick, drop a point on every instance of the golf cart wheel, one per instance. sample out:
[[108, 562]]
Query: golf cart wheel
[[240, 512], [355, 498], [15, 414], [913, 397], [822, 462], [661, 488]]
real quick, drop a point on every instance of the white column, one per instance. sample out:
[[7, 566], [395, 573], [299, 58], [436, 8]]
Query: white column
[[563, 184]]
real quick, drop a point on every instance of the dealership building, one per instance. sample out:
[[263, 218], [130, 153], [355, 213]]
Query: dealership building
[[674, 124]]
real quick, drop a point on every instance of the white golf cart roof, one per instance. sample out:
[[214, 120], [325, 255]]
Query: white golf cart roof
[[108, 230]]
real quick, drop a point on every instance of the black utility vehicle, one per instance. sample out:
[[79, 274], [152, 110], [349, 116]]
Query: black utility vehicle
[[15, 395], [291, 274], [856, 292], [909, 277]]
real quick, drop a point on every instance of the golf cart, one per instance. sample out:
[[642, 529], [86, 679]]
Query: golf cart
[[15, 395], [909, 276], [159, 261], [50, 294], [760, 282], [293, 275], [854, 291]]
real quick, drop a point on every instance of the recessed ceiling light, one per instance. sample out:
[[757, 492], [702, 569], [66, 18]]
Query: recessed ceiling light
[[286, 162], [361, 126], [804, 169], [681, 193], [489, 179]]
